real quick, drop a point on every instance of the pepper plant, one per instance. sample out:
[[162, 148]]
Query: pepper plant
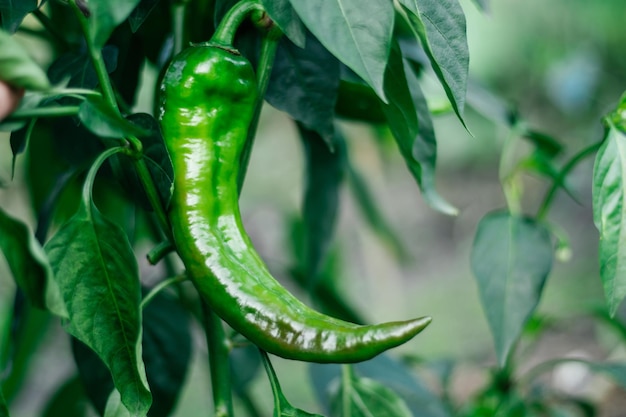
[[105, 180]]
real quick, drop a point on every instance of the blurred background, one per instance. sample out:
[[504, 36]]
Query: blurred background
[[560, 67]]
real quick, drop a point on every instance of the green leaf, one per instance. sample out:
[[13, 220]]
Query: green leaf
[[544, 143], [364, 397], [101, 120], [96, 270], [4, 410], [140, 14], [609, 186], [105, 16], [357, 101], [12, 12], [282, 407], [68, 401], [17, 67], [304, 84], [166, 354], [114, 406], [284, 15], [392, 374], [511, 259], [373, 214], [410, 124], [349, 32], [440, 25], [324, 175], [29, 265], [19, 140], [79, 68]]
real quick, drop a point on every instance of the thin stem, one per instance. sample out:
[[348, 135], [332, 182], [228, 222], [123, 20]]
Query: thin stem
[[153, 195], [219, 362], [264, 72], [160, 287], [346, 381], [576, 159], [271, 376], [160, 251], [178, 25], [225, 32], [547, 366], [49, 26], [55, 111], [97, 60]]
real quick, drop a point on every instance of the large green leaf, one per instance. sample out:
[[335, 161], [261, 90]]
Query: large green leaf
[[364, 397], [105, 16], [392, 374], [324, 176], [441, 27], [12, 12], [511, 259], [17, 67], [347, 29], [96, 270], [284, 15], [29, 265], [409, 121], [304, 83], [609, 188], [4, 410]]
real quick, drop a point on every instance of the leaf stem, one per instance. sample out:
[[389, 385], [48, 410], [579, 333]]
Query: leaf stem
[[159, 252], [153, 195], [264, 71], [567, 168], [219, 362], [160, 287], [346, 382], [273, 379], [97, 60], [178, 25], [225, 32], [91, 175], [53, 111]]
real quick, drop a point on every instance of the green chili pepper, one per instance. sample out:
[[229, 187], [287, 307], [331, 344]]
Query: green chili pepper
[[208, 98]]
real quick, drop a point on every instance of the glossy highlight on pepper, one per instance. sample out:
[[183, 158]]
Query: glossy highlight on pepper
[[207, 102]]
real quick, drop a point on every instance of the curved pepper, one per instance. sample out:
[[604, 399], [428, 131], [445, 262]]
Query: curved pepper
[[207, 101]]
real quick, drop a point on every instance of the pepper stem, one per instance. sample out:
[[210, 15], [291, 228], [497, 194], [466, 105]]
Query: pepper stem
[[225, 32]]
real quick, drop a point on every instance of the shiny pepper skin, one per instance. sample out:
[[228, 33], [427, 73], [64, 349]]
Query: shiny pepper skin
[[207, 102]]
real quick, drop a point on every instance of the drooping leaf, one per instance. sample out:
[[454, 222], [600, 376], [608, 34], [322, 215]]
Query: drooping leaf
[[96, 270], [103, 121], [364, 397], [166, 354], [284, 15], [105, 16], [357, 101], [12, 12], [324, 175], [282, 407], [17, 68], [409, 122], [609, 185], [29, 265], [392, 374], [79, 68], [19, 140], [304, 84], [347, 30], [441, 27], [511, 259], [140, 14]]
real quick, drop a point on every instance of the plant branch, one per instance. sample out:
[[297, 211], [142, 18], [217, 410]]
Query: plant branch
[[160, 287], [225, 32], [219, 362], [53, 111], [264, 72], [567, 168]]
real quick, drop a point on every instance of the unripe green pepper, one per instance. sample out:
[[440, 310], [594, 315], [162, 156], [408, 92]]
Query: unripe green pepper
[[208, 98]]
